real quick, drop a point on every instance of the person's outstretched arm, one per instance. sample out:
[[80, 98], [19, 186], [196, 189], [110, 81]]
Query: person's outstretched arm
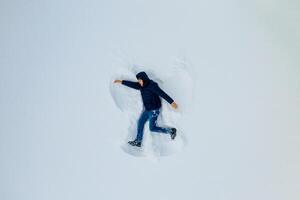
[[131, 84], [157, 90]]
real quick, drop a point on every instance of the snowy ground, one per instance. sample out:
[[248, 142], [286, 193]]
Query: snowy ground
[[232, 66]]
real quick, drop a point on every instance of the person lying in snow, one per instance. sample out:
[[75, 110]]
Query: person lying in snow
[[150, 92]]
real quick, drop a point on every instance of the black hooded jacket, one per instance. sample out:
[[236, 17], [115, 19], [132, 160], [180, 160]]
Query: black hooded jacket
[[150, 91]]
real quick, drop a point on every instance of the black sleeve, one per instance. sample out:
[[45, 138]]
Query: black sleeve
[[131, 84], [156, 89]]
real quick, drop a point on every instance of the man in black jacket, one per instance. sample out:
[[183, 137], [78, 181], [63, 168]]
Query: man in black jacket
[[151, 94]]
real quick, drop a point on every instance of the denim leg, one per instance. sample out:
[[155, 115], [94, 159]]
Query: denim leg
[[141, 123], [152, 124]]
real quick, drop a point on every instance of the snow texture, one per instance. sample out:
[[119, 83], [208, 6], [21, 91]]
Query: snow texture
[[232, 66]]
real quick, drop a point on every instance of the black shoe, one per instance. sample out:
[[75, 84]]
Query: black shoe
[[173, 133], [135, 143]]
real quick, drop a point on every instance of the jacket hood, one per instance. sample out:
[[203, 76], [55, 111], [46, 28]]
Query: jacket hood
[[144, 77]]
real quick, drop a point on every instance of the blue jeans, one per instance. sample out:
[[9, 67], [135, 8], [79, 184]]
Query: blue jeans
[[150, 115]]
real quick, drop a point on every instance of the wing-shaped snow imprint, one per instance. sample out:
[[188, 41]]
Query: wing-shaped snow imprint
[[178, 84]]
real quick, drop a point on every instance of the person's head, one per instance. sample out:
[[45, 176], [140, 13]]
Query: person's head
[[141, 82], [143, 79]]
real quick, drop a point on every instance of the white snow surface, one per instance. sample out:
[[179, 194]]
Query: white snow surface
[[232, 67]]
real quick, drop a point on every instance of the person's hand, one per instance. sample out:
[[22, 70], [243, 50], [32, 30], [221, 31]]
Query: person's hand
[[117, 81], [174, 105]]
